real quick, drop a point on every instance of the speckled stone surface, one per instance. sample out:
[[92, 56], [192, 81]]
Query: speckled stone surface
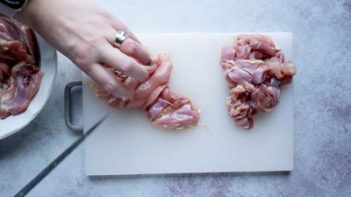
[[322, 46]]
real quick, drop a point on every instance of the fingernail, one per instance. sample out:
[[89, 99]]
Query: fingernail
[[120, 93], [128, 95]]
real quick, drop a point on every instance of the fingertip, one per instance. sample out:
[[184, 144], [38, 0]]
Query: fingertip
[[136, 50], [148, 61], [124, 63], [119, 91], [107, 81]]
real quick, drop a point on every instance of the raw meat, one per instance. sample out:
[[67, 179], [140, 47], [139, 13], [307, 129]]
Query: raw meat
[[255, 69], [164, 108], [19, 71]]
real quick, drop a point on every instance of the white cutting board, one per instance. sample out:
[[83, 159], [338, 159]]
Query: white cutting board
[[126, 143]]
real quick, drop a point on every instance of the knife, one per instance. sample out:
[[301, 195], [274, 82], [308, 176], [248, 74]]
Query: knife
[[27, 188]]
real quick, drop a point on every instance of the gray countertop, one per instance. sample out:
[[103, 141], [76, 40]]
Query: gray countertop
[[322, 45]]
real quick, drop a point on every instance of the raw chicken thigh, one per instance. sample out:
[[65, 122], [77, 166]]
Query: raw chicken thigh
[[19, 70], [164, 108], [255, 69]]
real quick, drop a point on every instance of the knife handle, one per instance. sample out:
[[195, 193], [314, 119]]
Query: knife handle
[[68, 106]]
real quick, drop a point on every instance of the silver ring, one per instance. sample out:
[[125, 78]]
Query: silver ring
[[121, 36]]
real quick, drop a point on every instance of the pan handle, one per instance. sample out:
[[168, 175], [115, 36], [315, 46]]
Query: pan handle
[[68, 105]]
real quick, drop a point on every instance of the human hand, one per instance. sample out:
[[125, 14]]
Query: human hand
[[85, 34]]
